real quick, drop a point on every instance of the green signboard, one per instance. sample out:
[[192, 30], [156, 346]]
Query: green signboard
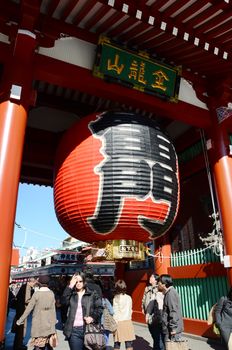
[[136, 70]]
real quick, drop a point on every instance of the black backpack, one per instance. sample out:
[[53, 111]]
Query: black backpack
[[155, 314]]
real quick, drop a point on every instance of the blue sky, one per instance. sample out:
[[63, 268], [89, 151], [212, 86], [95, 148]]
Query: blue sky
[[36, 216]]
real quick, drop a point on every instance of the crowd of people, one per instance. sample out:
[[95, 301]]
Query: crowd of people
[[82, 302]]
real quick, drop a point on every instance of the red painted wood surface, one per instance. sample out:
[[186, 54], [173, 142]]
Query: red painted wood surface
[[198, 270], [198, 327], [222, 170], [162, 247], [12, 128], [15, 257]]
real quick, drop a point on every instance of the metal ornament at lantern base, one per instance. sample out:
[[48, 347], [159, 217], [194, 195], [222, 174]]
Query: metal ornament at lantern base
[[119, 250]]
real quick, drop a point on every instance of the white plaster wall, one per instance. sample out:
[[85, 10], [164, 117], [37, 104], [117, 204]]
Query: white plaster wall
[[187, 94], [4, 38], [72, 50]]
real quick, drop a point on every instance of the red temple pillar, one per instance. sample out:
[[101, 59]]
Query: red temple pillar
[[162, 255], [16, 93], [222, 172]]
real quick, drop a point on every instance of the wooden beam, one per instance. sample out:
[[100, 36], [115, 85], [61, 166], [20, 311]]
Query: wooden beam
[[92, 22], [81, 79], [5, 52]]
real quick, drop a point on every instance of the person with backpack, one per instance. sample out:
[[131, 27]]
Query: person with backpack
[[152, 305], [223, 317]]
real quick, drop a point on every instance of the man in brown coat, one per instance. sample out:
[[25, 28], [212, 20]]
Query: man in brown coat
[[22, 299]]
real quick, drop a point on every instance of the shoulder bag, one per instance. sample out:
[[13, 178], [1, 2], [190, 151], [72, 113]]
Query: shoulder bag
[[94, 334], [177, 345], [53, 340], [109, 322], [212, 319], [211, 316]]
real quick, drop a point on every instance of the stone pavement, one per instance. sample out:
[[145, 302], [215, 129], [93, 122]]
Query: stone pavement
[[143, 339]]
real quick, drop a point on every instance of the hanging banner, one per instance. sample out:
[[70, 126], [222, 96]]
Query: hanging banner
[[136, 70]]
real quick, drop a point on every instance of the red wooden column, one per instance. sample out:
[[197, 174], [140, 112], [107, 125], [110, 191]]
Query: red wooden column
[[162, 253], [16, 93], [222, 172]]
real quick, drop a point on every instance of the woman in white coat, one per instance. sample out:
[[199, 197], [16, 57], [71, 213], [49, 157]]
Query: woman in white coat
[[122, 306]]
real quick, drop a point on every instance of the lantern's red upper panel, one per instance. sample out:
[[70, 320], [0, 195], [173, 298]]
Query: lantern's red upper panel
[[194, 34]]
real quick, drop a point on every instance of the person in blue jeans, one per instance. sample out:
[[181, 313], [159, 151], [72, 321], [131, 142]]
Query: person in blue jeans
[[77, 296]]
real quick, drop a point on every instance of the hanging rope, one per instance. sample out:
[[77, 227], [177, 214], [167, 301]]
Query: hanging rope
[[206, 158], [186, 255], [218, 232], [25, 229]]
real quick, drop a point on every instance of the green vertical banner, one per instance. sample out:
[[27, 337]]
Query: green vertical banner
[[136, 70]]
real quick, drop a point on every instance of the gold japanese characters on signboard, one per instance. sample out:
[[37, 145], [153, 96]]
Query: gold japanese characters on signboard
[[136, 70]]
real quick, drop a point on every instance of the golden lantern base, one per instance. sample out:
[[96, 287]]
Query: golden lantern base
[[119, 250]]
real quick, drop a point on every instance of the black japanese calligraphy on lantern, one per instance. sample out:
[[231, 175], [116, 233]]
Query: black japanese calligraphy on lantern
[[139, 162]]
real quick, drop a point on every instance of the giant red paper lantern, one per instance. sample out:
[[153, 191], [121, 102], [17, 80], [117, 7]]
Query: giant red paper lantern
[[116, 177]]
